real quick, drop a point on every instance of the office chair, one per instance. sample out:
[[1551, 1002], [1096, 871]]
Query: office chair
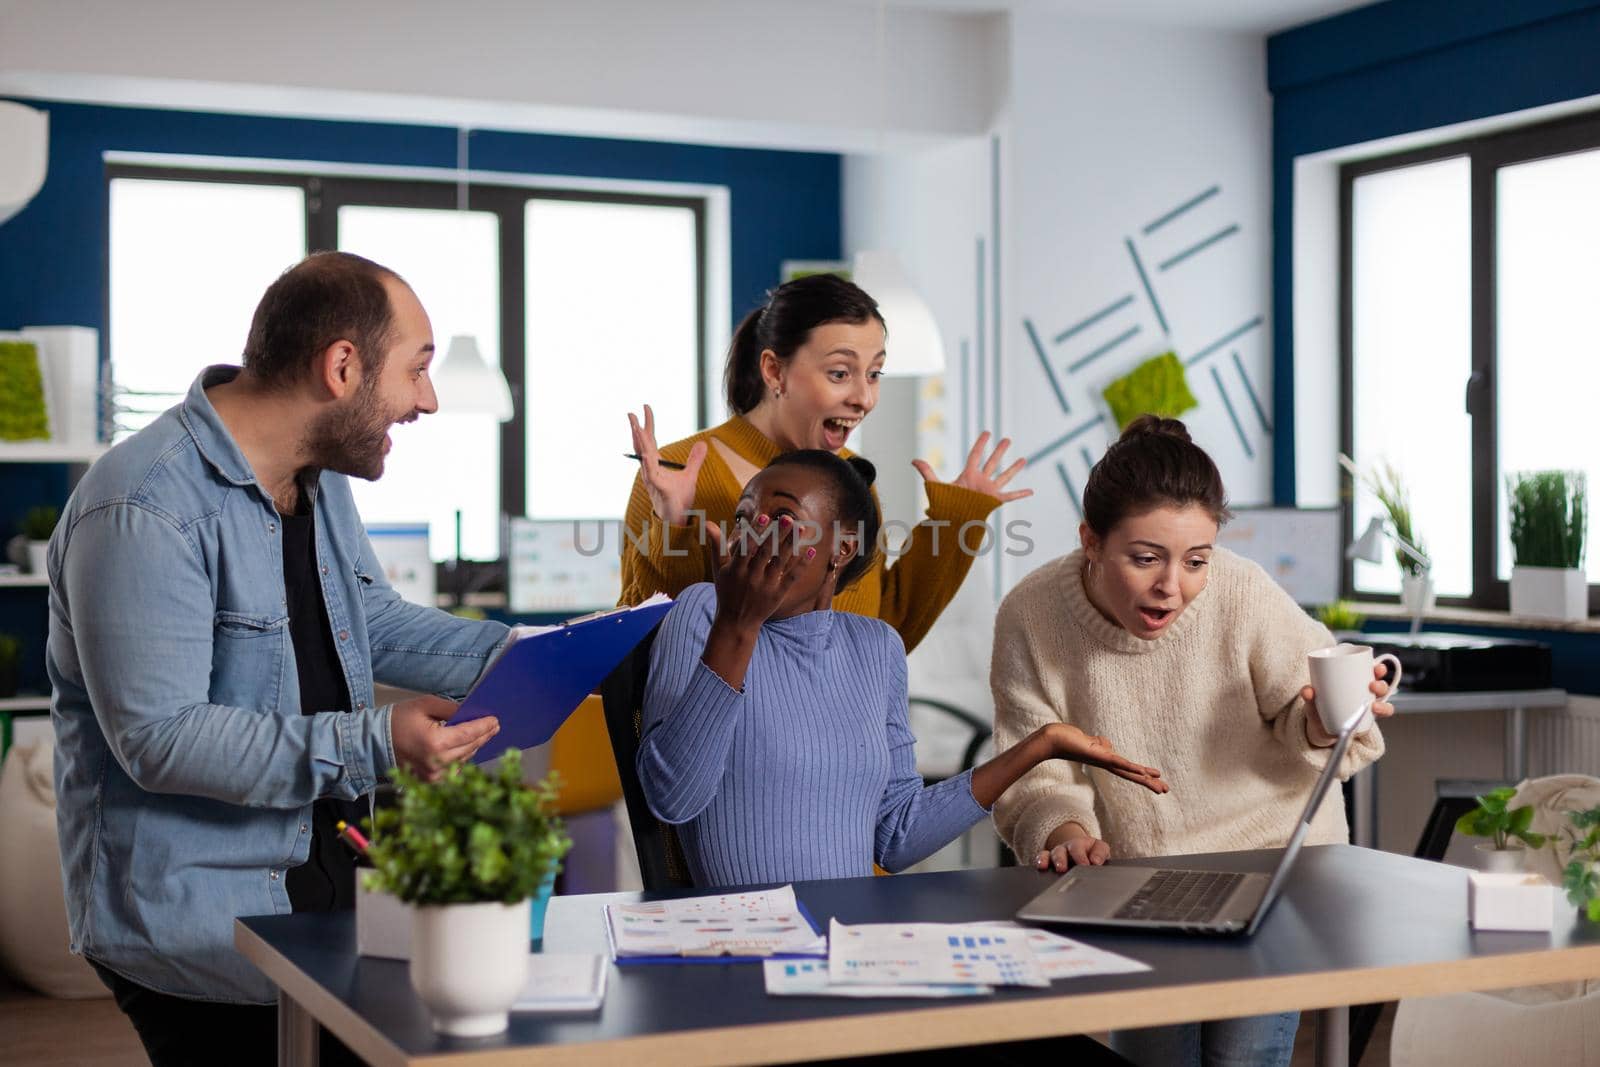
[[661, 860]]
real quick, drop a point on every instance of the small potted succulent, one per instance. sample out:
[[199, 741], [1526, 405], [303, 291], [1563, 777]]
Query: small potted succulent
[[37, 526], [1548, 524], [470, 852], [1580, 874], [10, 661], [1501, 824]]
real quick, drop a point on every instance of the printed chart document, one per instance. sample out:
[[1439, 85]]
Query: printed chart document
[[543, 673], [563, 982], [931, 954], [1061, 957], [809, 978], [739, 925]]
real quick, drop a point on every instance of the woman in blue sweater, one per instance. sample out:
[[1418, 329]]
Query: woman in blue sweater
[[774, 729]]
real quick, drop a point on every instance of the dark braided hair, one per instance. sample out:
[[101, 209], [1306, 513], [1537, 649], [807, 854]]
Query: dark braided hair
[[854, 506]]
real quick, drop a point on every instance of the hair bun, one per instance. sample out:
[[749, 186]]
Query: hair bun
[[863, 466], [1156, 426]]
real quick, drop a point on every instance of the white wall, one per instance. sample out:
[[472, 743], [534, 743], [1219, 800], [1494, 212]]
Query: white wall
[[722, 71], [1110, 128]]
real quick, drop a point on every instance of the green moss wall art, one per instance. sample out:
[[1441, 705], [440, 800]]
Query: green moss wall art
[[23, 414], [1157, 386]]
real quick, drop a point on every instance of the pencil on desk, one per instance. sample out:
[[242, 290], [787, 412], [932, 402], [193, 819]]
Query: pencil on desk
[[667, 463]]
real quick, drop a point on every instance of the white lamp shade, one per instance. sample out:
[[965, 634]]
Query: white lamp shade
[[1369, 546], [914, 345], [467, 385], [24, 154]]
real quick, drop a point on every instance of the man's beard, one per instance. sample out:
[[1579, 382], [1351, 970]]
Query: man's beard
[[349, 438]]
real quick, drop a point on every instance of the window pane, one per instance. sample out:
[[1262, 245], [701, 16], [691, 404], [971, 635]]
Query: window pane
[[1411, 352], [441, 463], [613, 295], [1547, 376], [189, 262]]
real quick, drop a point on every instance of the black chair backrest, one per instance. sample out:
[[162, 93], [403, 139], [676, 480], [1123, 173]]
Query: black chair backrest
[[661, 862]]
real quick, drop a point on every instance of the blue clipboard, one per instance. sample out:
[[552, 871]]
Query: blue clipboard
[[537, 681], [629, 961]]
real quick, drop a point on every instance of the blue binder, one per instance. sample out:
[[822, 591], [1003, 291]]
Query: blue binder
[[539, 680]]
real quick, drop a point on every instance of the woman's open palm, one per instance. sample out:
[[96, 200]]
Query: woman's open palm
[[671, 492]]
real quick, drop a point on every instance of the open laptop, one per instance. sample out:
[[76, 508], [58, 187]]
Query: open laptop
[[1192, 901]]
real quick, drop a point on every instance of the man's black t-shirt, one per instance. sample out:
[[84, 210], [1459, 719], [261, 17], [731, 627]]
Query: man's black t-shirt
[[326, 881]]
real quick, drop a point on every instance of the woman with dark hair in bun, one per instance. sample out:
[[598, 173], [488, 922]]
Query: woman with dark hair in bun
[[774, 729], [802, 372], [1188, 654]]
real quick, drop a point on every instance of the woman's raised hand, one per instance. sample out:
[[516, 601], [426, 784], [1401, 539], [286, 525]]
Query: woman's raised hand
[[671, 492], [1069, 742], [982, 475]]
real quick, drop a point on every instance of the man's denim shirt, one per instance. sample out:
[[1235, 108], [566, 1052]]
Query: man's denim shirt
[[184, 770]]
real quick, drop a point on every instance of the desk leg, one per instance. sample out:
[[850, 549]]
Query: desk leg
[[299, 1034], [1364, 807], [1516, 745], [1333, 1037]]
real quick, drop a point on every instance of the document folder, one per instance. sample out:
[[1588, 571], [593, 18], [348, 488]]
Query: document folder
[[540, 678]]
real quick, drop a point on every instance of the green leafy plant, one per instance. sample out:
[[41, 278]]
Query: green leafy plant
[[1549, 513], [1493, 819], [1581, 875], [40, 522], [469, 838], [1340, 615], [1385, 482]]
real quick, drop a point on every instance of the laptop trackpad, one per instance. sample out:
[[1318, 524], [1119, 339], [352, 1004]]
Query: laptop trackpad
[[1097, 891]]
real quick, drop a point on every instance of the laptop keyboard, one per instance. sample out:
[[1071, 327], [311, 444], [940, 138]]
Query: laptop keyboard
[[1181, 896]]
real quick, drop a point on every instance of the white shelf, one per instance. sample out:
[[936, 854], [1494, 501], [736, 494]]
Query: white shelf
[[49, 452], [33, 702], [21, 580]]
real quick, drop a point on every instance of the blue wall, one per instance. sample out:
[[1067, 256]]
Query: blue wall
[[1395, 68], [783, 205]]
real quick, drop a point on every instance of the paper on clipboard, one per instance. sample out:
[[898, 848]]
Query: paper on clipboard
[[542, 674]]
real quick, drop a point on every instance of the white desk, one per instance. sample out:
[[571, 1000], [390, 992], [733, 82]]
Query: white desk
[[1516, 703]]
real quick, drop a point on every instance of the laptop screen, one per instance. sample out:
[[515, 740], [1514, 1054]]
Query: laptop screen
[[1330, 774]]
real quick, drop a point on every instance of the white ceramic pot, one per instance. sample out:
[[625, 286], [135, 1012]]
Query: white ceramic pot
[[1506, 860], [1549, 593], [1416, 593], [468, 963], [38, 552]]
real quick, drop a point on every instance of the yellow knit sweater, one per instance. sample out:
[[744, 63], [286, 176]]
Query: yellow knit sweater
[[907, 594], [1214, 702]]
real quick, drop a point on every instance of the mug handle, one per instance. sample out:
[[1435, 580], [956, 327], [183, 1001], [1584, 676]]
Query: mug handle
[[1394, 662]]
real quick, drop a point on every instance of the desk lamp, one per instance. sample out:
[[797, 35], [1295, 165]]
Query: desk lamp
[[1369, 547]]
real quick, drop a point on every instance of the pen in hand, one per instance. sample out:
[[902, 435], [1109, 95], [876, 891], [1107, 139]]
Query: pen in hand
[[667, 463]]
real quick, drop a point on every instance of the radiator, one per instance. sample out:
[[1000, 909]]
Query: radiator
[[1565, 741]]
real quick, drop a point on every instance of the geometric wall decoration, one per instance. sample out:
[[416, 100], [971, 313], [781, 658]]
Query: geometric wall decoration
[[1155, 387], [1105, 343]]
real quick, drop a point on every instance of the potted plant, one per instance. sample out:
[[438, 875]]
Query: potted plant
[[1416, 584], [1341, 617], [1494, 820], [1548, 518], [37, 526], [10, 659], [469, 852], [1580, 874]]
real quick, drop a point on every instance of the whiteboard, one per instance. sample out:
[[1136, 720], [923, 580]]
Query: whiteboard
[[1299, 547]]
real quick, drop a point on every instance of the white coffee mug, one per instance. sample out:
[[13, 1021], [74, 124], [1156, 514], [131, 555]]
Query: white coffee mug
[[1341, 676]]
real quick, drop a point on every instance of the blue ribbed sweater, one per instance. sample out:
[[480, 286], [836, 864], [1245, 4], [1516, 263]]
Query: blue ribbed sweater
[[810, 772]]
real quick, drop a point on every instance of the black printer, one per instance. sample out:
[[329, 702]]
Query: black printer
[[1455, 663]]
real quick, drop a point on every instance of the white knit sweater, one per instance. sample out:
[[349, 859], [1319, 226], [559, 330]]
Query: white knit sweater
[[1213, 702]]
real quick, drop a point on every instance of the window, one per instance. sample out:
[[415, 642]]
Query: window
[[1469, 274], [569, 291]]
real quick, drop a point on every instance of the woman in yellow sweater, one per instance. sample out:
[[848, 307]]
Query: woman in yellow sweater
[[802, 372], [1189, 655]]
